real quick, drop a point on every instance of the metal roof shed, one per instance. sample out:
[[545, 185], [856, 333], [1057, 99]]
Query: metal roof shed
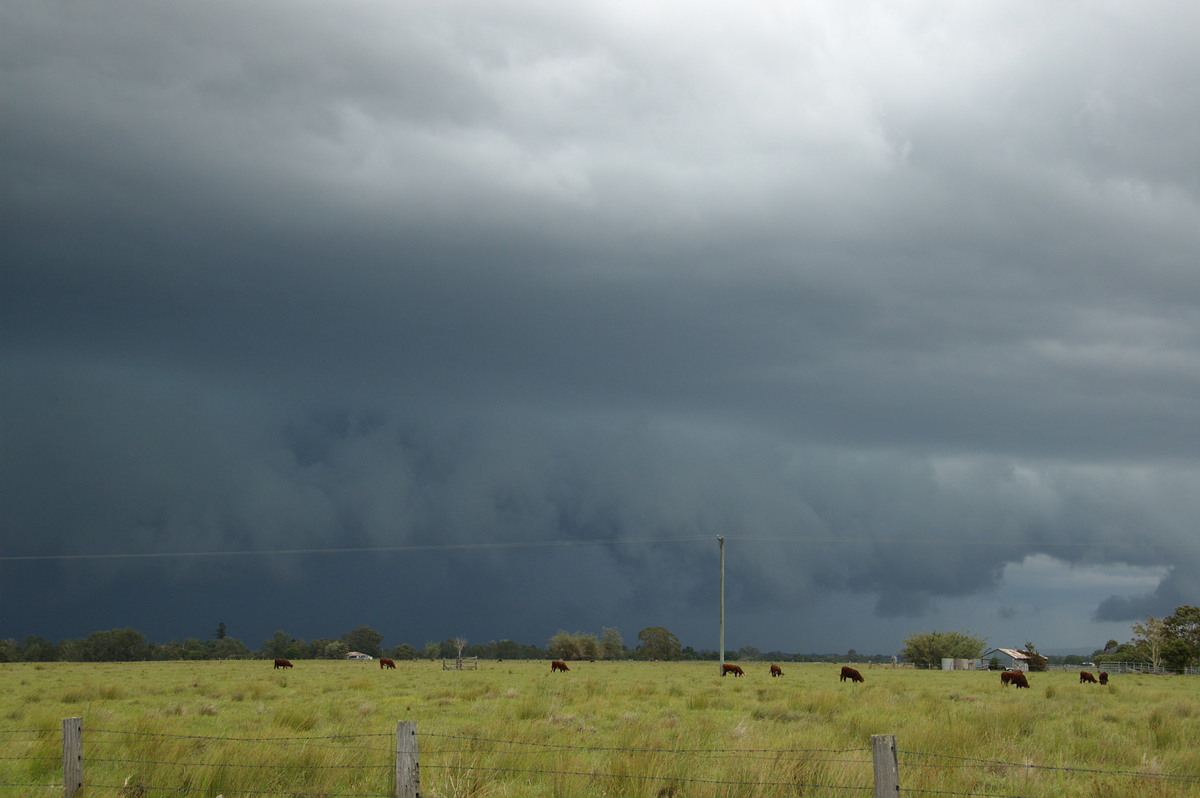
[[1017, 660]]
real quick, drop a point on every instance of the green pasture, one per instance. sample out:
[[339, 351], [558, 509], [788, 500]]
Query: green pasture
[[646, 729]]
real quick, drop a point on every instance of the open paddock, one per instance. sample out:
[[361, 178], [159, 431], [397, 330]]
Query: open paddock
[[605, 728]]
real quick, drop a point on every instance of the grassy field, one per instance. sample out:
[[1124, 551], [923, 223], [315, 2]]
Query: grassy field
[[651, 730]]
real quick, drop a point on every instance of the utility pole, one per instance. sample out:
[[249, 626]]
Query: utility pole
[[721, 644]]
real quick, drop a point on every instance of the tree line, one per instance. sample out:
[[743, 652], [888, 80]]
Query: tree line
[[1172, 642], [128, 644]]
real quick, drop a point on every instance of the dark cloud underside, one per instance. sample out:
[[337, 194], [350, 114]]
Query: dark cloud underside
[[896, 302]]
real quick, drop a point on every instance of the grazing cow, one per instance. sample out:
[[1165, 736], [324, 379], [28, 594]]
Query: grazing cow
[[1103, 677], [384, 662], [776, 670], [1006, 678], [851, 674], [558, 665], [736, 670], [282, 663], [1084, 676], [1018, 679]]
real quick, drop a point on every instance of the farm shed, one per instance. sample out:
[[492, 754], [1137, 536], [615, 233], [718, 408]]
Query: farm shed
[[1010, 658], [358, 655]]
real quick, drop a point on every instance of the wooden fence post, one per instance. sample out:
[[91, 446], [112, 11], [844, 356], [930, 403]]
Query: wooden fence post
[[887, 768], [72, 731], [408, 770]]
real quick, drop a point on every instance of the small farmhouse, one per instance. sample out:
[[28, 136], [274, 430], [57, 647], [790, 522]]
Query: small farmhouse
[[358, 655], [1010, 658]]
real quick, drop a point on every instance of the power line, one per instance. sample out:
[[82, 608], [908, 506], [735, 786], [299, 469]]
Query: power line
[[529, 544], [343, 550], [957, 542]]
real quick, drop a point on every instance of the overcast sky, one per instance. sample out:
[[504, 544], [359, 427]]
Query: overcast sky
[[486, 319]]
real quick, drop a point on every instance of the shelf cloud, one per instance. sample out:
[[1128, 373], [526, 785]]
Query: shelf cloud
[[487, 319]]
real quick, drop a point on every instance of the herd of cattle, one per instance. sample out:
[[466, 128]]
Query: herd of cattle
[[1013, 677], [736, 670]]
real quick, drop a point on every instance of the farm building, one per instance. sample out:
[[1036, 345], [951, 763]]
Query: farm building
[[358, 655], [1010, 658]]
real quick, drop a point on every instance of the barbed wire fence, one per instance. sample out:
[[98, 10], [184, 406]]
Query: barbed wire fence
[[384, 765]]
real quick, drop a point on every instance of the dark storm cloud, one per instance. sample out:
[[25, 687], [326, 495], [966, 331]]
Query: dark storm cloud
[[893, 301]]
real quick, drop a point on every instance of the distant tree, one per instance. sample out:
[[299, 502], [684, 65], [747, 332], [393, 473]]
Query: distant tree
[[658, 643], [324, 648], [851, 655], [114, 645], [37, 649], [1036, 661], [1184, 625], [195, 648], [749, 653], [561, 645], [929, 648], [337, 649], [404, 651], [1122, 652], [611, 644], [482, 650], [231, 648], [459, 644], [220, 633], [69, 650], [278, 645], [9, 650], [1152, 634], [1176, 654], [573, 646], [432, 650], [507, 649], [364, 639]]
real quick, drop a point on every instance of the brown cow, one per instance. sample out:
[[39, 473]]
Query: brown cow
[[384, 662], [776, 670], [1084, 676], [282, 663], [558, 665], [851, 674], [1103, 677], [736, 670], [1006, 678], [1018, 679]]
